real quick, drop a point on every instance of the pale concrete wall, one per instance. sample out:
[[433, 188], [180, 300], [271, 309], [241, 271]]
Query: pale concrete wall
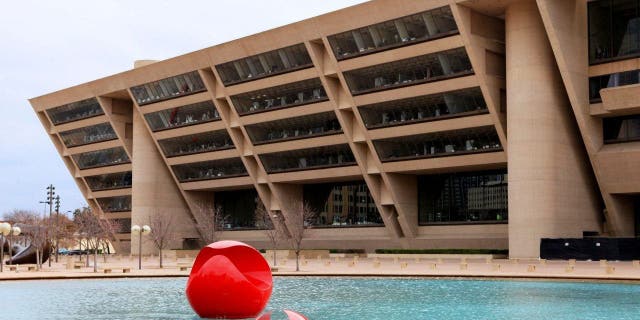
[[550, 188]]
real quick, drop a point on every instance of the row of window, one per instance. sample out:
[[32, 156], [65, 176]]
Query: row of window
[[294, 128], [621, 129], [187, 115], [75, 111], [110, 181], [265, 64], [168, 88], [441, 144], [87, 135], [611, 81], [115, 204], [463, 197], [470, 197], [614, 30], [417, 70], [101, 158], [209, 170], [407, 30], [196, 143], [424, 108], [312, 158], [284, 96]]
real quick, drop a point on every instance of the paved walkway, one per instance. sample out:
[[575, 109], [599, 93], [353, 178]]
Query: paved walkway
[[626, 271]]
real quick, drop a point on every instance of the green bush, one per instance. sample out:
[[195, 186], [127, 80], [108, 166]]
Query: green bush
[[443, 251], [347, 251]]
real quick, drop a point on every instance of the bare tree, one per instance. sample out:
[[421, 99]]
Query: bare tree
[[264, 220], [38, 235], [300, 216], [210, 222], [21, 216], [97, 231], [162, 230]]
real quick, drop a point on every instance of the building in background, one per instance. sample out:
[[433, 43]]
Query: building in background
[[404, 124]]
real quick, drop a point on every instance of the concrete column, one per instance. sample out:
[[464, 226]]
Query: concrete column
[[551, 189], [154, 191]]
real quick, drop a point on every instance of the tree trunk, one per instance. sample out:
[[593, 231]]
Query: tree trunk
[[160, 258], [298, 260], [275, 259], [95, 260], [38, 258]]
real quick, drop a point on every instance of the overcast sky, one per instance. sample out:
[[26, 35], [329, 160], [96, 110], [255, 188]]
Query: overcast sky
[[51, 45]]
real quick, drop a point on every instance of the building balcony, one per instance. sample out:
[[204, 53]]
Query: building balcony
[[101, 158], [196, 143], [168, 88], [111, 181], [188, 115], [88, 135], [417, 28], [75, 111], [265, 65], [280, 97], [408, 72], [115, 204], [434, 107], [441, 144], [308, 159], [315, 125], [210, 170]]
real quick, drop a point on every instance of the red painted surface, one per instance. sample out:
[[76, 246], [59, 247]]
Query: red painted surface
[[231, 280]]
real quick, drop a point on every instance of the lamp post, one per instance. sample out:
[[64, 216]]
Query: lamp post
[[15, 231], [144, 230], [5, 229]]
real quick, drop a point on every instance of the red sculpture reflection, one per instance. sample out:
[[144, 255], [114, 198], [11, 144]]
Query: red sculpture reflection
[[229, 279]]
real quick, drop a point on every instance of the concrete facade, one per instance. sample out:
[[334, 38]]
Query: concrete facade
[[526, 59]]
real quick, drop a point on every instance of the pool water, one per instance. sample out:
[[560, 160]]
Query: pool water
[[329, 298]]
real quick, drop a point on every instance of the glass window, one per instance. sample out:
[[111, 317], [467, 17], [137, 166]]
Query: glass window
[[412, 71], [75, 111], [424, 108], [169, 88], [88, 135], [284, 96], [196, 143], [469, 197], [294, 128], [196, 113], [609, 81], [614, 30], [391, 34], [238, 209], [345, 204], [111, 181], [265, 65], [440, 144], [101, 158], [621, 129], [209, 170], [306, 159], [115, 204]]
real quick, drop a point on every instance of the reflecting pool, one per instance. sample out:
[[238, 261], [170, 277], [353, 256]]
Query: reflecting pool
[[329, 298]]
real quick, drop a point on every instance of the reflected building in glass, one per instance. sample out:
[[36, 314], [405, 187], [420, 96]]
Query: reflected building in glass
[[398, 124]]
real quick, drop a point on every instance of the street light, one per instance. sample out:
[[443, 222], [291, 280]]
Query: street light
[[5, 229], [144, 230]]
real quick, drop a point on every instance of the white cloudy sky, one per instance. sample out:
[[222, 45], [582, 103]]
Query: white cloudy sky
[[50, 45]]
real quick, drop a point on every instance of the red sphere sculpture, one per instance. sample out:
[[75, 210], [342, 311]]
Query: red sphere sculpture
[[230, 280]]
